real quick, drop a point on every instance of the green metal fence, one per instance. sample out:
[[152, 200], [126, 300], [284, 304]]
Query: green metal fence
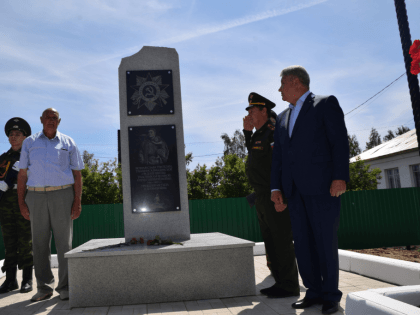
[[380, 218], [368, 219]]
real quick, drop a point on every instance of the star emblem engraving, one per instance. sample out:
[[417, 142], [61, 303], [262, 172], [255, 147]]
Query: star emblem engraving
[[149, 92]]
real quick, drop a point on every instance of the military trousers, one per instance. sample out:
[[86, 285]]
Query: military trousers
[[16, 231], [51, 210], [276, 231]]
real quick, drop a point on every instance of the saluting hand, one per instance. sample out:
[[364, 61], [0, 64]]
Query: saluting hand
[[248, 126], [338, 187], [277, 198]]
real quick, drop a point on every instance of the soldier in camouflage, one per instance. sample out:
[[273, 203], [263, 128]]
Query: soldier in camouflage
[[275, 226], [15, 229]]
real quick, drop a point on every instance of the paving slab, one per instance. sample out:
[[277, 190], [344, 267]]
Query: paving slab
[[16, 303]]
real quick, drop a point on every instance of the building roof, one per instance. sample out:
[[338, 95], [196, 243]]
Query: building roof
[[407, 142]]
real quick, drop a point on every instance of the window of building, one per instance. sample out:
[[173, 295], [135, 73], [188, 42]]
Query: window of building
[[393, 178], [415, 169]]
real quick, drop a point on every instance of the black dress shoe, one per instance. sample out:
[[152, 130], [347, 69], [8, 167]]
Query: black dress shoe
[[329, 307], [279, 293], [306, 302], [264, 291]]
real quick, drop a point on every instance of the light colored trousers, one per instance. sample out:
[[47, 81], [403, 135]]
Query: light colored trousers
[[51, 210]]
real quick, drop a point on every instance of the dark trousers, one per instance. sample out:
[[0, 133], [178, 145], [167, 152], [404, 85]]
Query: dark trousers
[[315, 221], [16, 232], [276, 231]]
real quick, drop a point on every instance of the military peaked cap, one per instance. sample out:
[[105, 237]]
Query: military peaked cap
[[17, 123], [255, 99]]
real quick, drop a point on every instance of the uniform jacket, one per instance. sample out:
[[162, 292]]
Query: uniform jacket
[[258, 167], [317, 152]]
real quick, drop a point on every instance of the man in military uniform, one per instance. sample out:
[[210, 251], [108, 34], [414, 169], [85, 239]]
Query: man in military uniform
[[275, 226], [16, 230]]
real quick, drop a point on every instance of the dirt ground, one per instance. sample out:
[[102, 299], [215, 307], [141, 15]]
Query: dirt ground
[[400, 252]]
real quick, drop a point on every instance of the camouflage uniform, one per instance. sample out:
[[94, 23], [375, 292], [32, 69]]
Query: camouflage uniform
[[15, 229]]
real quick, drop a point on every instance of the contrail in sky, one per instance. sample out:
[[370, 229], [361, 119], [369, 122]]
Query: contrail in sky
[[235, 23]]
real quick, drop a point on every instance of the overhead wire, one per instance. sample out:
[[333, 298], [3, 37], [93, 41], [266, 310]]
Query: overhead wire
[[377, 93]]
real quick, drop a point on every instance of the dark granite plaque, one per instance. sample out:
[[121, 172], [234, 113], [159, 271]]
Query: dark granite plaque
[[150, 92], [154, 169]]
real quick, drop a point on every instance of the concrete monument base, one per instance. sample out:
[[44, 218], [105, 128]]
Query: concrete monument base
[[208, 266]]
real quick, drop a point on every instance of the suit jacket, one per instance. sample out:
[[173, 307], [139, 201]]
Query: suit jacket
[[318, 151]]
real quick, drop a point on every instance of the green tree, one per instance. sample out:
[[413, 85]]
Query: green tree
[[374, 139], [226, 179], [389, 136], [198, 183], [188, 158], [229, 178], [361, 178], [400, 131], [102, 182], [234, 145], [354, 146]]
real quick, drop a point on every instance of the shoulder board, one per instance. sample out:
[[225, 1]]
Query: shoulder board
[[257, 142]]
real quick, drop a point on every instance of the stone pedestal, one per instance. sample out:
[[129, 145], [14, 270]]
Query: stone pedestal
[[208, 266]]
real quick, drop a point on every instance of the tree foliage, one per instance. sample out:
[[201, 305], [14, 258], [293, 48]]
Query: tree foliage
[[235, 145], [374, 139], [401, 130], [361, 178], [102, 182], [391, 135], [188, 158], [198, 183], [229, 177], [226, 179], [354, 146]]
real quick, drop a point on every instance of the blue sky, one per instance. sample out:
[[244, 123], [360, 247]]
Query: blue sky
[[65, 54]]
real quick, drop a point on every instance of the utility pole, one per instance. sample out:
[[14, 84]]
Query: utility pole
[[413, 82]]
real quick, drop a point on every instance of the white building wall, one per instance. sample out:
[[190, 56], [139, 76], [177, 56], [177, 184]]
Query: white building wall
[[403, 162]]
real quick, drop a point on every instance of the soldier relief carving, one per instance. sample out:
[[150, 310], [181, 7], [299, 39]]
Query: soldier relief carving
[[153, 149]]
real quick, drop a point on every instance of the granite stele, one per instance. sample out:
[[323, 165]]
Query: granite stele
[[203, 266]]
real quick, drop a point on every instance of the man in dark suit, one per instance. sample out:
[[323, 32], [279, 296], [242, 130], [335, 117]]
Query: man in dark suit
[[310, 165]]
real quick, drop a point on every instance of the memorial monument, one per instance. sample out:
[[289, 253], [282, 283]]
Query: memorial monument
[[152, 142], [202, 266]]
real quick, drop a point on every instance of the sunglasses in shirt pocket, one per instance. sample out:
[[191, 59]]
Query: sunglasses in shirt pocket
[[63, 158]]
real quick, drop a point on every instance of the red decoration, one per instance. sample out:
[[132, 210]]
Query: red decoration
[[133, 241], [415, 49], [141, 240], [415, 67], [149, 242], [415, 55]]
